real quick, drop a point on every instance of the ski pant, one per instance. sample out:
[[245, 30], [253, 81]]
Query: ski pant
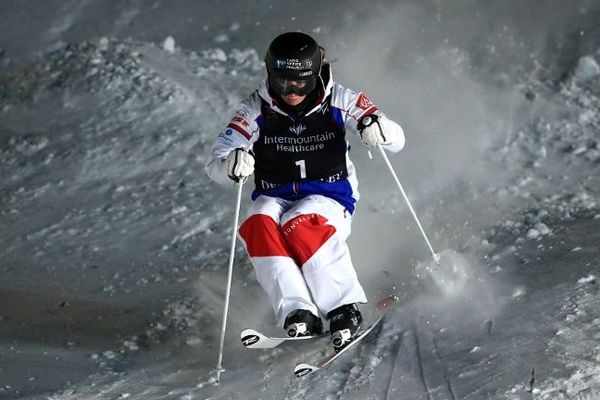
[[298, 249]]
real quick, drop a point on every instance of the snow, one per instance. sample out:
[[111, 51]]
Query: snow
[[587, 68], [113, 255], [169, 44]]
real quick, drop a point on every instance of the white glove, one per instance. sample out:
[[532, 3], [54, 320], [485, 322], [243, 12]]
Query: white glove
[[240, 164], [372, 130]]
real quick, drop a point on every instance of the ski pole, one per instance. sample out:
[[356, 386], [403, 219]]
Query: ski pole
[[229, 278], [436, 257]]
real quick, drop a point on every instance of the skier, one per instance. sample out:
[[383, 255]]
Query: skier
[[291, 134]]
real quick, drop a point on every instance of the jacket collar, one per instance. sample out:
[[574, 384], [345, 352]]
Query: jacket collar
[[326, 82]]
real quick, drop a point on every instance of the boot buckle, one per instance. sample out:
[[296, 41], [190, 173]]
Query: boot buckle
[[297, 329], [340, 338]]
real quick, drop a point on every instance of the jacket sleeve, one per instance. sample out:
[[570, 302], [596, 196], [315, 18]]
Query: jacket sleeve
[[356, 105], [241, 132]]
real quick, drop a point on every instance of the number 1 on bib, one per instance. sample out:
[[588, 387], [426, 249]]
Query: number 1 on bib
[[302, 165]]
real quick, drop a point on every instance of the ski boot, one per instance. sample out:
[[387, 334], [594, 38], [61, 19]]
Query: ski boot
[[302, 323], [344, 325]]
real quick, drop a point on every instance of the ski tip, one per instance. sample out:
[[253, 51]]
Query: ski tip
[[303, 369], [250, 340], [250, 337], [247, 332]]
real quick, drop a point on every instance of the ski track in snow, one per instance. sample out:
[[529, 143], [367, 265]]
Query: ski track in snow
[[449, 387], [575, 342], [112, 245], [419, 361], [394, 354]]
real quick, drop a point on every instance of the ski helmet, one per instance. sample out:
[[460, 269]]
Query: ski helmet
[[293, 64]]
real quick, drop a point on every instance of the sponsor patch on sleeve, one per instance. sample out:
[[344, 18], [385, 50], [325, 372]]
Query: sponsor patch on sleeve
[[363, 102], [241, 125], [240, 121]]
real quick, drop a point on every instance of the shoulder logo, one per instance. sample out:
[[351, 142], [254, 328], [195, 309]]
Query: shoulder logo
[[324, 108], [240, 121], [297, 129], [363, 102]]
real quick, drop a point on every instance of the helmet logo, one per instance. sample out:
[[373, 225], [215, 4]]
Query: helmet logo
[[293, 64], [292, 55]]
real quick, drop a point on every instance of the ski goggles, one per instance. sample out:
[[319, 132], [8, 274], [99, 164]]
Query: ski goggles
[[284, 86]]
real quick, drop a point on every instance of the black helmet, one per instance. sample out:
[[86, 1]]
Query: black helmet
[[293, 63]]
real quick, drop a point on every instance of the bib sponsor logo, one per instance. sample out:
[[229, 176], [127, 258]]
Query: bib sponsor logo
[[268, 185], [297, 129], [229, 132], [334, 178], [299, 144], [363, 102]]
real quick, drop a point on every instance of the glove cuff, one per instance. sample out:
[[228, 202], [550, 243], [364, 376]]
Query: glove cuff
[[375, 138], [367, 120]]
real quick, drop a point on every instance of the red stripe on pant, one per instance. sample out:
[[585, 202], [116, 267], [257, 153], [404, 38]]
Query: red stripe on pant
[[305, 235], [263, 237]]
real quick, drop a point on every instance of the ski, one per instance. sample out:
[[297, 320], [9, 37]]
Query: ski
[[303, 369], [253, 339]]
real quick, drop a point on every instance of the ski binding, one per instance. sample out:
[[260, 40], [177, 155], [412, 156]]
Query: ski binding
[[382, 306], [303, 369]]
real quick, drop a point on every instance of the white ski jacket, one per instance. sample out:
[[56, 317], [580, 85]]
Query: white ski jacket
[[345, 106]]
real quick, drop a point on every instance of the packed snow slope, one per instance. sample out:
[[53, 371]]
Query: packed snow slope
[[114, 242]]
